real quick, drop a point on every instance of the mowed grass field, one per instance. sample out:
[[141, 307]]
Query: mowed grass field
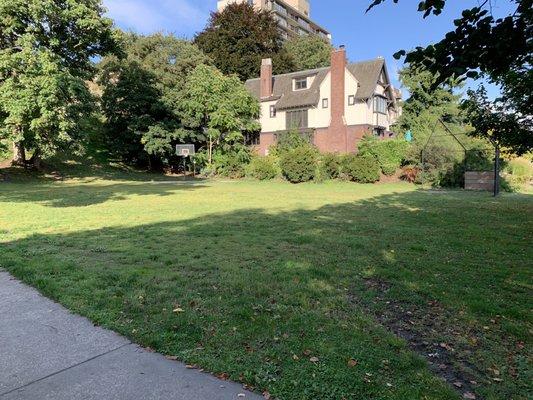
[[312, 291]]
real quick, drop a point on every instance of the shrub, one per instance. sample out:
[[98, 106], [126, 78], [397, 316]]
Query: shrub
[[263, 168], [518, 172], [330, 166], [389, 153], [520, 167], [443, 166], [231, 164], [300, 164], [288, 141], [410, 173], [362, 168]]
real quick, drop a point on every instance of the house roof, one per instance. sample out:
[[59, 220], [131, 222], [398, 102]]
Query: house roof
[[366, 72]]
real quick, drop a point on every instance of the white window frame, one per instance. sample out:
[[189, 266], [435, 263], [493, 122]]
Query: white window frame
[[380, 104], [351, 100], [296, 80]]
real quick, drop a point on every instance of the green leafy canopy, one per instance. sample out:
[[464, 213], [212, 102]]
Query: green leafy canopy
[[46, 48], [482, 45]]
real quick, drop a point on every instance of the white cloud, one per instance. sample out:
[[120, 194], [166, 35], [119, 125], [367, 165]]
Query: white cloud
[[182, 17]]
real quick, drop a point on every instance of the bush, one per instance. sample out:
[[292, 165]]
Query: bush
[[330, 166], [263, 168], [518, 172], [300, 164], [362, 168], [289, 141], [231, 164], [389, 153], [410, 173]]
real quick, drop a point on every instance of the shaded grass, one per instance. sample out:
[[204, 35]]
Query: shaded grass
[[262, 276]]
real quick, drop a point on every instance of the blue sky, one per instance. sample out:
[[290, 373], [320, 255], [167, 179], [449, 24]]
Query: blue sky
[[381, 32]]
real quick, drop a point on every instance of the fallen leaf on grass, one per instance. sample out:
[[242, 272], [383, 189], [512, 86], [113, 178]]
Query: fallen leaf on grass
[[314, 359], [470, 396], [352, 362], [173, 358], [178, 310]]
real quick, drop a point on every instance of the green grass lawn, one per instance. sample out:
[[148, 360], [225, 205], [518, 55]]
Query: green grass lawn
[[313, 291]]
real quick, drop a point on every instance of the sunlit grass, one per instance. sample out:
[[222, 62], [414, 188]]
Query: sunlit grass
[[266, 274]]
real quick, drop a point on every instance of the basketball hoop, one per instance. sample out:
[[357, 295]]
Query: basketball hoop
[[186, 150]]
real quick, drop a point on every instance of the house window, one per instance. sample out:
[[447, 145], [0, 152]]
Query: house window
[[272, 111], [379, 132], [325, 103], [300, 84], [251, 138], [296, 119], [380, 104], [351, 100]]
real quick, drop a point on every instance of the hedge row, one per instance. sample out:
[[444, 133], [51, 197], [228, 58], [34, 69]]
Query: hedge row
[[304, 164], [297, 160]]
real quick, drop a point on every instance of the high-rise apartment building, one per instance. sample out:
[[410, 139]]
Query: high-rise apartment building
[[293, 16]]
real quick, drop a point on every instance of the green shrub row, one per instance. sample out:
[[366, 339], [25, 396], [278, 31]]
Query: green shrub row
[[304, 164], [388, 153], [295, 159]]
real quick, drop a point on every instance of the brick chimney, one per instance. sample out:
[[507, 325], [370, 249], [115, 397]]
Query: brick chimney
[[338, 132], [266, 78]]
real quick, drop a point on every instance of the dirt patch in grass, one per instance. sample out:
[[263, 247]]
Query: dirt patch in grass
[[448, 344]]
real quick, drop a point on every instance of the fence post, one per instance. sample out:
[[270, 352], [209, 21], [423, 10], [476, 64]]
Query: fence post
[[496, 169]]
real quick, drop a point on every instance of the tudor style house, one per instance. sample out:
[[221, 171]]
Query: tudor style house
[[335, 105]]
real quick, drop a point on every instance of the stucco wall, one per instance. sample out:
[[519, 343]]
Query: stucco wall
[[271, 124], [321, 117]]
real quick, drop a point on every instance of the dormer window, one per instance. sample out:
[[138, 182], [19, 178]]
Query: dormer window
[[300, 84]]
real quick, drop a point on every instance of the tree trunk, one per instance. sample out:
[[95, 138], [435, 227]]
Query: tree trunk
[[35, 159], [19, 154]]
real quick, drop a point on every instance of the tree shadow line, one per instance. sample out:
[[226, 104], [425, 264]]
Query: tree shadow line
[[425, 245]]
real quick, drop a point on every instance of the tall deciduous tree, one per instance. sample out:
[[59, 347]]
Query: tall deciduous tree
[[219, 107], [494, 122], [239, 37], [141, 95], [500, 49], [425, 105], [309, 51], [45, 55]]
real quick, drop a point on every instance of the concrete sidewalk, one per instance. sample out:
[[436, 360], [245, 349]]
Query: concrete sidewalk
[[48, 353]]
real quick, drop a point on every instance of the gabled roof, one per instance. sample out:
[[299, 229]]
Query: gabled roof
[[367, 74]]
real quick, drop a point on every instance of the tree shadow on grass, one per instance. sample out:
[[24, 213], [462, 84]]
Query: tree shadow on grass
[[262, 293], [84, 194], [84, 168]]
